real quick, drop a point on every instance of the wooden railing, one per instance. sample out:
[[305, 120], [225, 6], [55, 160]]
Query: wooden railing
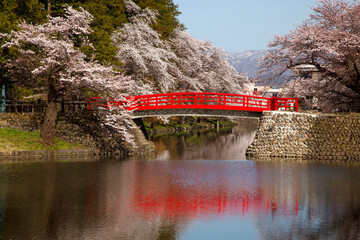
[[222, 101], [40, 106]]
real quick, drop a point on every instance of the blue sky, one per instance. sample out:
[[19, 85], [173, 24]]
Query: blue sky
[[240, 25]]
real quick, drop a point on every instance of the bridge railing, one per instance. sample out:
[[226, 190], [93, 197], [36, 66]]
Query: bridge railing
[[200, 100], [285, 104], [222, 101]]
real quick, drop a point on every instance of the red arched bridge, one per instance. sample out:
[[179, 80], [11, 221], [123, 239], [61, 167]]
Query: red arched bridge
[[198, 104]]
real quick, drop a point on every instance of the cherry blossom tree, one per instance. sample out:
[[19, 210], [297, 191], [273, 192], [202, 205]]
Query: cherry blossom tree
[[330, 41], [181, 63], [144, 55], [49, 56], [206, 65]]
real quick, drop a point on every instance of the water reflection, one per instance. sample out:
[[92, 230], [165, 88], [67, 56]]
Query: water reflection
[[179, 200], [186, 199], [227, 144]]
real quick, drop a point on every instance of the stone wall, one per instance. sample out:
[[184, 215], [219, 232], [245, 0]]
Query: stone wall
[[20, 121], [306, 136], [82, 128]]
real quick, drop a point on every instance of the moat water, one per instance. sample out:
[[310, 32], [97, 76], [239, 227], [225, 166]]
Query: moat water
[[200, 186]]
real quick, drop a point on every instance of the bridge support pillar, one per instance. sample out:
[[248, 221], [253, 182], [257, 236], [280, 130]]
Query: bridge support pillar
[[3, 99], [139, 122], [182, 121]]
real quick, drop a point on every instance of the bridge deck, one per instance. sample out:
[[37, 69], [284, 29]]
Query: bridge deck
[[195, 112]]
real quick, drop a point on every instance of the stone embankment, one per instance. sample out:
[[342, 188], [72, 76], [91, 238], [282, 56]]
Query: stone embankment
[[83, 129], [307, 137]]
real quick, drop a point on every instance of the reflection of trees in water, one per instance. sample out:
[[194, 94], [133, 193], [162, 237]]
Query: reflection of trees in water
[[36, 202], [225, 144], [76, 201], [4, 171], [158, 200], [329, 202]]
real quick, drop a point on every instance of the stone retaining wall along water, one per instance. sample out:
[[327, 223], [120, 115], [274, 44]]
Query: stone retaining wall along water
[[307, 136], [81, 128]]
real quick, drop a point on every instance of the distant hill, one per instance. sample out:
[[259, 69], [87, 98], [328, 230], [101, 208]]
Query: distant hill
[[245, 62]]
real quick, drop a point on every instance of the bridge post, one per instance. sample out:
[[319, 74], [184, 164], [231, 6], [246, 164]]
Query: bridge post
[[139, 122], [273, 103]]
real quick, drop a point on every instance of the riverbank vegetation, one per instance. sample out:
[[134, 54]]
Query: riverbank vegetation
[[183, 125], [154, 123]]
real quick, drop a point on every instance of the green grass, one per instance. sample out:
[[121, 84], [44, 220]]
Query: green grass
[[16, 140]]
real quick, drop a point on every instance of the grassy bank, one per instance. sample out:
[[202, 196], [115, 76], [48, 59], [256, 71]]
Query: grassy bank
[[16, 140]]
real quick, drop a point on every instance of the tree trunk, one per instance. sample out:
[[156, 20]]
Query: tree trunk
[[48, 128], [49, 7]]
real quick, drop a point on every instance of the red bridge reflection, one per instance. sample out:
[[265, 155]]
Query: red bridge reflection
[[196, 205], [193, 189], [205, 194]]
